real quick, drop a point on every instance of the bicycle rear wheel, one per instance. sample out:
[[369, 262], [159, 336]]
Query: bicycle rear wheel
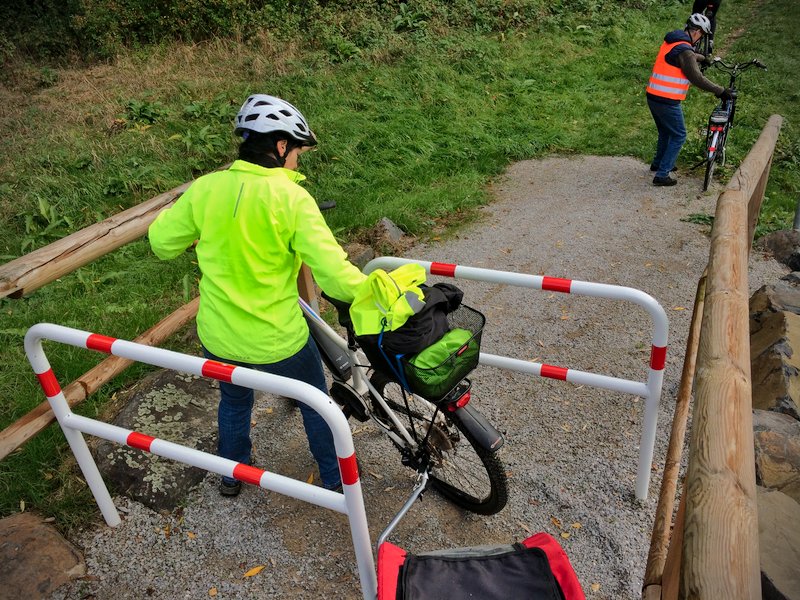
[[710, 163], [461, 470]]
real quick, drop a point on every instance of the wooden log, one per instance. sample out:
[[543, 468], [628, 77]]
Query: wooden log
[[660, 539], [670, 580], [720, 545], [30, 272], [19, 432]]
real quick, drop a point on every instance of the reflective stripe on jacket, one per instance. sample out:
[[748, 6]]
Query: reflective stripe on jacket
[[255, 227], [667, 81]]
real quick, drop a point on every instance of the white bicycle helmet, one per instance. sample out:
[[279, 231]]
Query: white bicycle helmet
[[264, 114], [699, 21]]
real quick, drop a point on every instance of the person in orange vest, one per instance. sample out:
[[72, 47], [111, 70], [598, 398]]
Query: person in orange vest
[[676, 67]]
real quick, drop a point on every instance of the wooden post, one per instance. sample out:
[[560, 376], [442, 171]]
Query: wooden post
[[306, 287], [660, 540], [753, 173], [19, 432], [32, 271], [720, 546]]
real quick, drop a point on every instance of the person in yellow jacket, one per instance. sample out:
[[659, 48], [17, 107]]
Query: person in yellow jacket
[[254, 227], [675, 68]]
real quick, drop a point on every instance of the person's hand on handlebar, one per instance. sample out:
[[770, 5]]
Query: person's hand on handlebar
[[727, 94]]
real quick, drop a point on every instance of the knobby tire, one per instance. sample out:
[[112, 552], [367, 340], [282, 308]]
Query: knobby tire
[[462, 471]]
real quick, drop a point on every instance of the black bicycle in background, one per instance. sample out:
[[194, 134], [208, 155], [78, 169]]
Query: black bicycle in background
[[721, 119]]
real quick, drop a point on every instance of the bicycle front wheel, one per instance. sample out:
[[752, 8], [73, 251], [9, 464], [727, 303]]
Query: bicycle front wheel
[[461, 470]]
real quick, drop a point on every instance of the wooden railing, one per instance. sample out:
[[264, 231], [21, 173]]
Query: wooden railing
[[713, 551], [40, 267]]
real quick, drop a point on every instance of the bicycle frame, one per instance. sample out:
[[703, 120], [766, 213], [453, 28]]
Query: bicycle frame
[[355, 376], [722, 117]]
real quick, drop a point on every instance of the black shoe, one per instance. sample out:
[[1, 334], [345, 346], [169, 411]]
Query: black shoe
[[654, 168], [230, 489], [664, 180]]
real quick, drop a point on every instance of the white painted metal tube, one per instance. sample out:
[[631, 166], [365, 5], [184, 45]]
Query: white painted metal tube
[[351, 501], [651, 391]]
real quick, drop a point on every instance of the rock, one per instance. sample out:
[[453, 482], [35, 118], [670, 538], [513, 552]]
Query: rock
[[775, 367], [34, 558], [779, 545], [777, 446], [359, 254], [784, 295], [172, 406], [784, 246]]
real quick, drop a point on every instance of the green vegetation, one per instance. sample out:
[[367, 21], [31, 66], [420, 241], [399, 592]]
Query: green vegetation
[[417, 105]]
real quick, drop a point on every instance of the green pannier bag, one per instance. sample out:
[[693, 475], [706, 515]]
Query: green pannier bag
[[436, 370]]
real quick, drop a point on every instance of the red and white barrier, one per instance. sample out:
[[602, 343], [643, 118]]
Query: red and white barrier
[[650, 390], [350, 502]]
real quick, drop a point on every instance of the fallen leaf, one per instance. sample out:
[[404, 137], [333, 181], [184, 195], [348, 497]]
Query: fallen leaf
[[212, 591], [191, 535], [555, 522], [576, 525], [648, 264], [310, 478], [48, 476], [388, 489], [22, 506], [254, 571], [525, 527], [565, 535], [252, 423], [376, 475], [540, 342], [268, 410], [595, 587], [678, 308], [564, 317]]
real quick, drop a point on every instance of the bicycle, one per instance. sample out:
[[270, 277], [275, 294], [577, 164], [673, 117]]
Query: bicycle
[[446, 440], [720, 121]]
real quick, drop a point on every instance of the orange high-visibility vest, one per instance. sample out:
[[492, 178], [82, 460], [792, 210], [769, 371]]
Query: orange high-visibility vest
[[668, 81]]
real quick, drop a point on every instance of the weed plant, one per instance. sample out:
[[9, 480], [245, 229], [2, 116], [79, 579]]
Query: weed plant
[[416, 112]]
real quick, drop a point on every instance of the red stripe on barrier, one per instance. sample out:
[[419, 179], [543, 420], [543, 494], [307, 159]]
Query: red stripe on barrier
[[99, 342], [658, 357], [556, 284], [139, 440], [445, 269], [49, 383], [217, 370], [248, 474], [349, 468], [554, 372]]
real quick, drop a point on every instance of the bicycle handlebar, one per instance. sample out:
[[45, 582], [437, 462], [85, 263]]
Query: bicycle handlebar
[[737, 67]]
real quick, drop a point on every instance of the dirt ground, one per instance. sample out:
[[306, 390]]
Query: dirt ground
[[571, 451]]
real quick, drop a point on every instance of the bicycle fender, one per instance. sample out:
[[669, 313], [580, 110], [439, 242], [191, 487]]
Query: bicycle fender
[[483, 431]]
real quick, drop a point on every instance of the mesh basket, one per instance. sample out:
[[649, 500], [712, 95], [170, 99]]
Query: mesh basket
[[434, 383]]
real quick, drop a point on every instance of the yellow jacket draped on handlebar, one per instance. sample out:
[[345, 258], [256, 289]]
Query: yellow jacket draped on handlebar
[[255, 227]]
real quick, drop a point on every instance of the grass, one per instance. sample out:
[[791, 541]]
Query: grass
[[412, 129]]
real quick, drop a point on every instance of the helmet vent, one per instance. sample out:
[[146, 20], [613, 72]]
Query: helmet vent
[[251, 117], [262, 103], [273, 116], [286, 113]]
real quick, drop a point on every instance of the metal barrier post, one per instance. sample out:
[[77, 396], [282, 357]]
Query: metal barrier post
[[350, 502], [650, 391]]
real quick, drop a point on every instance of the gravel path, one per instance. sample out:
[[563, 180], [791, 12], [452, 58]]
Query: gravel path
[[571, 451]]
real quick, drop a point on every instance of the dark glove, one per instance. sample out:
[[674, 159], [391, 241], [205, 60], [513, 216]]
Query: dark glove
[[706, 61], [726, 94]]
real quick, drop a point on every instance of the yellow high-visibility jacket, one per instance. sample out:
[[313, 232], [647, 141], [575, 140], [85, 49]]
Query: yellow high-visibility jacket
[[255, 227]]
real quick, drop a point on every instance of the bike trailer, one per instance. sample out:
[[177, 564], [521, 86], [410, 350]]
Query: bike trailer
[[535, 569]]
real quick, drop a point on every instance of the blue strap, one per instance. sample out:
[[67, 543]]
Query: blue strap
[[398, 372]]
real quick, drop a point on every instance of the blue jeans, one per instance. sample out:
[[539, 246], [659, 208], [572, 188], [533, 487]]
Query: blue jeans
[[671, 135], [236, 407]]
